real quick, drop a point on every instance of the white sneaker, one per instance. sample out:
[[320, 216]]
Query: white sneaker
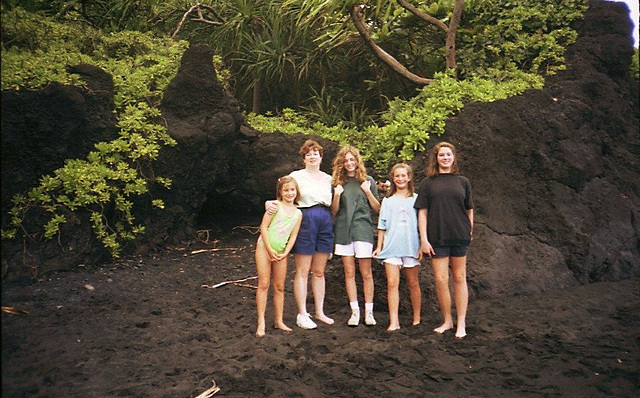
[[305, 322], [369, 319], [355, 318]]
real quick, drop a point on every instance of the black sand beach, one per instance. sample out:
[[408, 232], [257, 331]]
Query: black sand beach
[[147, 328]]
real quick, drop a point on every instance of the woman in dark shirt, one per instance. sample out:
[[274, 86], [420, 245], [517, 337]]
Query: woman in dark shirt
[[445, 221]]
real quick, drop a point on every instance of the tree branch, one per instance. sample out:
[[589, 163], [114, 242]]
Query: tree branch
[[450, 45], [200, 17], [357, 16], [425, 17]]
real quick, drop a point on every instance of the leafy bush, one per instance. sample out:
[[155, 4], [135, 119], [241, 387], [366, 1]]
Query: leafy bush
[[527, 35], [635, 65], [408, 124], [37, 51], [503, 49]]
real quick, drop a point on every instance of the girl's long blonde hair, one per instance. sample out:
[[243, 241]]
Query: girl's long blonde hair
[[410, 186], [340, 173]]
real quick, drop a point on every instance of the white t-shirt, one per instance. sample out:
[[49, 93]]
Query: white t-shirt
[[313, 191]]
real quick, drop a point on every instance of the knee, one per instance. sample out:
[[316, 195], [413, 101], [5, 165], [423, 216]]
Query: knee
[[263, 285], [459, 278], [318, 274], [393, 283], [442, 280], [278, 287], [367, 276], [413, 284]]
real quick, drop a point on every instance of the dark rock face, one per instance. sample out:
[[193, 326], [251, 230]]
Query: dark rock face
[[556, 173], [43, 128], [222, 171], [40, 130]]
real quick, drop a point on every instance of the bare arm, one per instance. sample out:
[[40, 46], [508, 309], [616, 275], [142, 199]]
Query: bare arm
[[470, 215], [335, 202], [264, 233], [425, 246], [271, 206], [293, 236], [380, 242]]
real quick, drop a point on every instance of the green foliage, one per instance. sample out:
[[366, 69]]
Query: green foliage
[[408, 124], [635, 65], [528, 35], [105, 183], [503, 48]]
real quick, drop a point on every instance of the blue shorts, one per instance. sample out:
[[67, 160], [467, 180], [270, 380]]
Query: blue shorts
[[451, 251], [316, 231]]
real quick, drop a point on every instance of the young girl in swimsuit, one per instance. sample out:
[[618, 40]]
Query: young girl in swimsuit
[[278, 233]]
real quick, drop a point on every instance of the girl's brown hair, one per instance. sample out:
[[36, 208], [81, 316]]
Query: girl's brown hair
[[340, 173], [310, 145], [432, 163], [281, 183], [409, 170]]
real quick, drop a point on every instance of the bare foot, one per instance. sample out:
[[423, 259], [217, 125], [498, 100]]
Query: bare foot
[[461, 331], [416, 323], [393, 328], [443, 328], [324, 318], [260, 330], [283, 327]]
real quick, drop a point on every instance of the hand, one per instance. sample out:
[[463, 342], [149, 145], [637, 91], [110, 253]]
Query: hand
[[375, 252], [427, 248], [271, 206], [338, 190], [366, 185], [273, 256]]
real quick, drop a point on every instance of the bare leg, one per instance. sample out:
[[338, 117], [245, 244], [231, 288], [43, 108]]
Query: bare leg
[[414, 292], [461, 293], [318, 264], [441, 274], [303, 265], [367, 278], [263, 266], [393, 295], [279, 277], [349, 264]]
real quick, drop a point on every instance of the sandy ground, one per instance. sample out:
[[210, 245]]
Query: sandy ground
[[146, 327]]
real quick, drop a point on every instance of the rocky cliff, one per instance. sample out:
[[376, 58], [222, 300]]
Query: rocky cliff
[[555, 172]]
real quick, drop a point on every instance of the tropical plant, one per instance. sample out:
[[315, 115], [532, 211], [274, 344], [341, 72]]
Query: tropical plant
[[105, 183]]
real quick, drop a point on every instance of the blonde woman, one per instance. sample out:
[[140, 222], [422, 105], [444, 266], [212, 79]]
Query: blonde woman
[[355, 195]]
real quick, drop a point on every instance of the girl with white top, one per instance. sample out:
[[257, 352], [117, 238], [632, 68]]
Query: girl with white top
[[315, 238]]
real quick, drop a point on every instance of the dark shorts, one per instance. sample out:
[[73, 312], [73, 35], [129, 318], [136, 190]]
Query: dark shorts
[[451, 251], [316, 231]]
